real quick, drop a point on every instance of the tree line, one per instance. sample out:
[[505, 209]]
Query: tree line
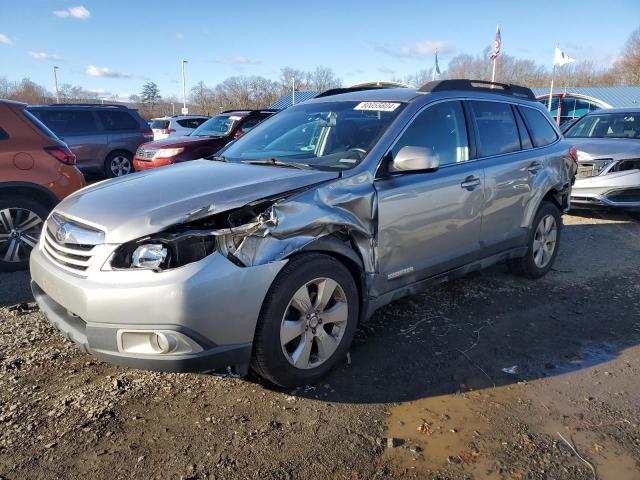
[[253, 91]]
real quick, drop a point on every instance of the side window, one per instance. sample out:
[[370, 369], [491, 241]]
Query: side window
[[249, 124], [525, 139], [117, 120], [541, 130], [3, 134], [496, 128], [441, 128], [65, 121], [191, 122]]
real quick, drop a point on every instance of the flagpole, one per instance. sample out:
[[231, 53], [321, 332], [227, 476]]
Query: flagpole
[[493, 73], [553, 74]]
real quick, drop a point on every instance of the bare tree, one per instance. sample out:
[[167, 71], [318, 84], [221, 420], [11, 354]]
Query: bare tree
[[628, 66]]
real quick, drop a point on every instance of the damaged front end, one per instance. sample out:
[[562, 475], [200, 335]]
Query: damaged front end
[[265, 230]]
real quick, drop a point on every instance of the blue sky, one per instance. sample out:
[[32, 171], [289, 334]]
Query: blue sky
[[115, 46]]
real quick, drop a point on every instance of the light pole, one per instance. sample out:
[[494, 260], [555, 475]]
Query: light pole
[[184, 91], [55, 79]]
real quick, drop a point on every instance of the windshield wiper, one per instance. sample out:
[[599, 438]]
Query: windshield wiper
[[279, 163]]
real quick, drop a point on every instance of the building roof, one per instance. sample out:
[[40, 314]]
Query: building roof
[[286, 101], [611, 96]]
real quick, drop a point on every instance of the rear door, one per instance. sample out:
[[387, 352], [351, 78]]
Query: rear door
[[429, 222], [510, 167], [78, 128], [122, 129]]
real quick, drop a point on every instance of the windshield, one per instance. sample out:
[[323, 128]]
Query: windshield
[[332, 135], [607, 125], [218, 126]]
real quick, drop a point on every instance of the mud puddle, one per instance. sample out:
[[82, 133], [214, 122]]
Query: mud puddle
[[467, 432]]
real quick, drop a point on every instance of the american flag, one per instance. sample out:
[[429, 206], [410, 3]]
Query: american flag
[[497, 44]]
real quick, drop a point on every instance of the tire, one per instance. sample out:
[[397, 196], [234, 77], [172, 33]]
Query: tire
[[326, 342], [21, 221], [118, 163], [539, 258]]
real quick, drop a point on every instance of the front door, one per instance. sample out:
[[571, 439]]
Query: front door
[[429, 222]]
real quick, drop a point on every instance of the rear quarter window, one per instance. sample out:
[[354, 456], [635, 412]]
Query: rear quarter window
[[160, 124], [496, 128], [542, 132], [118, 120], [3, 134]]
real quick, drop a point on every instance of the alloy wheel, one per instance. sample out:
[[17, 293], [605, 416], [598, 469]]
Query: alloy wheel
[[314, 323], [19, 232], [120, 165], [544, 241]]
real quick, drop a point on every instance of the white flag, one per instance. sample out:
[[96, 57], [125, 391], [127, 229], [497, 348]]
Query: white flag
[[561, 58]]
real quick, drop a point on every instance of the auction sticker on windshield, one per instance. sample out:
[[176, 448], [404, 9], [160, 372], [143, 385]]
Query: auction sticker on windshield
[[377, 106]]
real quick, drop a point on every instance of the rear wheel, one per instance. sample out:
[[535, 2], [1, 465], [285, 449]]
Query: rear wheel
[[21, 221], [543, 243], [307, 321], [118, 164]]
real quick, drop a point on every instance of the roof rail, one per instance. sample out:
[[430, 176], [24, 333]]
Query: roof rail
[[338, 91], [106, 105], [478, 85]]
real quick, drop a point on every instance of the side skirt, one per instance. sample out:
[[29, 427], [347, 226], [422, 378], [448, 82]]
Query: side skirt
[[374, 303]]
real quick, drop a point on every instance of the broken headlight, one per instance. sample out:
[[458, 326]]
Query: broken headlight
[[165, 250]]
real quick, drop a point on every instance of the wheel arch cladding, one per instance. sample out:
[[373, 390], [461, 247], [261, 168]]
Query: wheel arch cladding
[[29, 190]]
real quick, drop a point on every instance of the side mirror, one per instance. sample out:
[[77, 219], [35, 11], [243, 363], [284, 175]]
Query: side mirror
[[413, 159]]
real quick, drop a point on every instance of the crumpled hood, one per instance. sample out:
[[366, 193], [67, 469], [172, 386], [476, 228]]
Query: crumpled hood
[[143, 203], [615, 148]]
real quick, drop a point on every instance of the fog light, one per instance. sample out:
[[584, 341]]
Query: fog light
[[155, 342], [164, 342], [148, 256]]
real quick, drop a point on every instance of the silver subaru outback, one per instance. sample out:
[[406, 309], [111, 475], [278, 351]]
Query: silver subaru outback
[[269, 254]]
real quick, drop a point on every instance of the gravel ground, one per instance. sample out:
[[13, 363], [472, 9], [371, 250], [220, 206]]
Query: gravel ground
[[485, 377]]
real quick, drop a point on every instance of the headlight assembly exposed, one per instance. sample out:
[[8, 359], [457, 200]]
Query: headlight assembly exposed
[[164, 251]]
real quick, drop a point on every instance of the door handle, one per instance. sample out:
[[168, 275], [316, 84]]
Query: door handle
[[535, 167], [470, 182]]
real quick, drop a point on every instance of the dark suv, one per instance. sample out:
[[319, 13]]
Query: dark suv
[[205, 140], [102, 137]]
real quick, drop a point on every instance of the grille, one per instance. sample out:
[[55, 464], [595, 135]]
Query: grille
[[145, 154], [75, 251]]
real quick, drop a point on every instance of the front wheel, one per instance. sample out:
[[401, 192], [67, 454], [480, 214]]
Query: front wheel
[[307, 321], [21, 221], [118, 164], [544, 239]]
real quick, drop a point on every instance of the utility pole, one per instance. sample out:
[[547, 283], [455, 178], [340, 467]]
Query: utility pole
[[184, 91], [55, 79], [293, 90]]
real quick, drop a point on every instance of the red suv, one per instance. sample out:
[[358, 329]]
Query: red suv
[[205, 140], [37, 170]]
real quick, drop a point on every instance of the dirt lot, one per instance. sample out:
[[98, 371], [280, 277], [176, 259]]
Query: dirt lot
[[490, 376]]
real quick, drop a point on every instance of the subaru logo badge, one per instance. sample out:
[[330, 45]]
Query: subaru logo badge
[[62, 234]]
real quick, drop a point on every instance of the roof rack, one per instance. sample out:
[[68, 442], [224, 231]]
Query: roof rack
[[338, 91], [478, 85], [252, 112], [106, 105]]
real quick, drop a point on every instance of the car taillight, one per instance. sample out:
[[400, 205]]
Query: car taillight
[[166, 131], [148, 134], [61, 154], [573, 153]]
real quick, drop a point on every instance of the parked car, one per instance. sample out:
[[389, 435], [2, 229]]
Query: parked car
[[608, 144], [271, 254], [205, 140], [175, 126], [36, 172], [104, 138]]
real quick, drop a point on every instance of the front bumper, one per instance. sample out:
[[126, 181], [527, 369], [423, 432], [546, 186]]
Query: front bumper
[[140, 165], [626, 198], [213, 302]]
